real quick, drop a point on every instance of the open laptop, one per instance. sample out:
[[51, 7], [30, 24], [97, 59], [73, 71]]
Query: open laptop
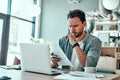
[[35, 57]]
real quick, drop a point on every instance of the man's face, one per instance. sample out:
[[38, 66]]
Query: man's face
[[76, 26]]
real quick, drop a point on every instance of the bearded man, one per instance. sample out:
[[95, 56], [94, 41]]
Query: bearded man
[[81, 48]]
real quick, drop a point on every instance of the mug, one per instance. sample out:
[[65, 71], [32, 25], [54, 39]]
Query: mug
[[89, 69]]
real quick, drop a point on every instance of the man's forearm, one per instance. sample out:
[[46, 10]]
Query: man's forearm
[[81, 55]]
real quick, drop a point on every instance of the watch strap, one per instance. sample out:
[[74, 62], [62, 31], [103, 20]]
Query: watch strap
[[74, 45]]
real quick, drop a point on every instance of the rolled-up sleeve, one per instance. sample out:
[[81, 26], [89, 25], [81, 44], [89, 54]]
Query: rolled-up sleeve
[[93, 53]]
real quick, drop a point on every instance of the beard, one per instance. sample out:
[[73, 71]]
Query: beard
[[77, 34]]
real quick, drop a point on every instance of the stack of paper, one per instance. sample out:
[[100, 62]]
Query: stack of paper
[[77, 75]]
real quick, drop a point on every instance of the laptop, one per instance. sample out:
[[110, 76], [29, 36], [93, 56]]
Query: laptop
[[35, 57]]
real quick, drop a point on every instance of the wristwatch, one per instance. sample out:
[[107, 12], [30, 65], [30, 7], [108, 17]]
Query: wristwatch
[[74, 45]]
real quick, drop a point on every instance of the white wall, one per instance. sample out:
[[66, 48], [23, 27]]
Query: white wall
[[54, 22]]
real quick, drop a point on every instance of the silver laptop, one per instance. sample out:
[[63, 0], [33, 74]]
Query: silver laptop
[[35, 57]]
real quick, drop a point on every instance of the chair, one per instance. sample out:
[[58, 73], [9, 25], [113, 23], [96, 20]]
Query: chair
[[106, 64]]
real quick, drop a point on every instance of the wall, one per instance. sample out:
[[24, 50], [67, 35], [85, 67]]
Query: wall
[[53, 16]]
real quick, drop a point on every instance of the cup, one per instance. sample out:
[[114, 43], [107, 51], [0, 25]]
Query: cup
[[90, 69]]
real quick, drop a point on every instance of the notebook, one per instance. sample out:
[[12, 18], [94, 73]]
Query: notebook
[[35, 57]]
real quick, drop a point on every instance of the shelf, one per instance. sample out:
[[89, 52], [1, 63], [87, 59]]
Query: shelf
[[109, 47], [113, 30], [108, 31], [108, 51], [107, 22], [118, 58], [107, 27]]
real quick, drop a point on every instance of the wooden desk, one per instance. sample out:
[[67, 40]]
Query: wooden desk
[[20, 75]]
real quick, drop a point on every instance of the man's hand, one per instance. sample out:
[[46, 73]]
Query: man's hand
[[72, 38], [55, 60]]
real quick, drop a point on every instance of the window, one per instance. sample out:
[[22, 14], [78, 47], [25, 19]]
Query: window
[[20, 31], [22, 26], [3, 6]]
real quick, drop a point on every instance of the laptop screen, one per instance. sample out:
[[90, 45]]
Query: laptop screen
[[35, 57]]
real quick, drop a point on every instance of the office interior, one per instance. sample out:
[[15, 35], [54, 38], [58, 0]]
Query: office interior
[[45, 20]]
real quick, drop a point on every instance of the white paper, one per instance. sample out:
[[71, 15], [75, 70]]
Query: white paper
[[54, 47], [69, 77], [84, 74]]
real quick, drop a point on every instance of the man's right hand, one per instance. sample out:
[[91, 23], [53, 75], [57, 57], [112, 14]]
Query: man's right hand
[[55, 60]]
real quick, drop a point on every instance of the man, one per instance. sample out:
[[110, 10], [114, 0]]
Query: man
[[81, 48]]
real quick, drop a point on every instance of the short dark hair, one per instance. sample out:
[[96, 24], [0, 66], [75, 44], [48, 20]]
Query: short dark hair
[[77, 13]]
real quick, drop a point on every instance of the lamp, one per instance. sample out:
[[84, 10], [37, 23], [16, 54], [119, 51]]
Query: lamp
[[110, 4]]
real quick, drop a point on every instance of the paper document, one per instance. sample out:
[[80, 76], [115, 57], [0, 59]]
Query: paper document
[[54, 47], [69, 77], [77, 75], [84, 74]]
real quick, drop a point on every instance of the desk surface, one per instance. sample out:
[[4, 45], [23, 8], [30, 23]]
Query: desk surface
[[20, 75]]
